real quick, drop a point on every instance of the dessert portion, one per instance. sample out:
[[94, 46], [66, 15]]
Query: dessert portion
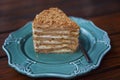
[[54, 32]]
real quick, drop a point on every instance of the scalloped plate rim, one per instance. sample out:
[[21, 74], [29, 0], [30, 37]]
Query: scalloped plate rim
[[55, 74]]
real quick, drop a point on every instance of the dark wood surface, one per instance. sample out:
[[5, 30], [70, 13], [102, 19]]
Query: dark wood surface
[[104, 13]]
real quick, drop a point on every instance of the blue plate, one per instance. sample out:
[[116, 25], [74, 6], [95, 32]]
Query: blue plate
[[22, 57]]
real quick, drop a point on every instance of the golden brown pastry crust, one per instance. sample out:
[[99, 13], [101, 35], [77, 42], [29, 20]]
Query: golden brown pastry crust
[[54, 16], [49, 23]]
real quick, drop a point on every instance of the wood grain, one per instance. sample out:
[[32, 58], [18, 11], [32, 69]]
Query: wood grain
[[12, 14], [2, 39], [104, 13]]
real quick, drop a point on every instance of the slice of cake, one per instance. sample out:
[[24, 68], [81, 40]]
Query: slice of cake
[[54, 32]]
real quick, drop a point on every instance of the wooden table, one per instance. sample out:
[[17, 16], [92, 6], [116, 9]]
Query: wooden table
[[104, 13]]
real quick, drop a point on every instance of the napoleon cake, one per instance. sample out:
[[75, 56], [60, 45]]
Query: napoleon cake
[[54, 32]]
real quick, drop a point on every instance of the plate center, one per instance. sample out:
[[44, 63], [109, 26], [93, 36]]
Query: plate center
[[53, 58]]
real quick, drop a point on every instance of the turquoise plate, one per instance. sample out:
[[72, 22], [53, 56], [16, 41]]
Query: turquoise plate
[[22, 57]]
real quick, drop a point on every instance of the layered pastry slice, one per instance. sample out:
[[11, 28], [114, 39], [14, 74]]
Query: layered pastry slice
[[54, 32]]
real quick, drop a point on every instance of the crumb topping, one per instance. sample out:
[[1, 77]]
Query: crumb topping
[[54, 16]]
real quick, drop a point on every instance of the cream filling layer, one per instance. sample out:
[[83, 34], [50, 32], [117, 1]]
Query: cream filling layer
[[62, 51], [51, 46], [57, 36], [54, 41], [52, 31], [60, 32]]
